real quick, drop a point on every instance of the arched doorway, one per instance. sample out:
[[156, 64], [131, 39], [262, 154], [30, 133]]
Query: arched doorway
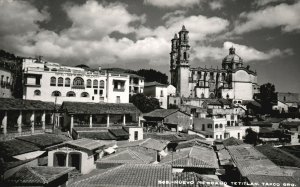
[[59, 159], [75, 160]]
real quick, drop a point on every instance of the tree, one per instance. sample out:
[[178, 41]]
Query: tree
[[151, 75], [267, 97], [251, 137], [143, 103]]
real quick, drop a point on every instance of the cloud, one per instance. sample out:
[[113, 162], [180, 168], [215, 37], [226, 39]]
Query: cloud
[[216, 4], [245, 52], [19, 17], [199, 27], [283, 15], [172, 3], [260, 3]]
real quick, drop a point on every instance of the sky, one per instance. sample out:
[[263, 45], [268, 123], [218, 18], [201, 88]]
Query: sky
[[136, 34]]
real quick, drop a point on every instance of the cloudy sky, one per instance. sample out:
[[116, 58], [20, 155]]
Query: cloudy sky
[[136, 33]]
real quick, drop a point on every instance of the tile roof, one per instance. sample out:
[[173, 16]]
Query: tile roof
[[224, 157], [281, 180], [99, 108], [148, 84], [148, 143], [193, 142], [250, 161], [200, 157], [83, 144], [160, 113], [43, 140], [129, 175], [37, 175], [20, 104], [232, 141], [279, 156], [127, 157], [291, 123], [119, 132], [16, 147], [164, 136], [97, 135]]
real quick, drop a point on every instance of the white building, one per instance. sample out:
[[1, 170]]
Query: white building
[[53, 82]]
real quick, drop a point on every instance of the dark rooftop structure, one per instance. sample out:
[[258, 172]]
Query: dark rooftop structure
[[99, 108], [20, 104], [39, 176], [161, 113], [43, 140], [232, 141]]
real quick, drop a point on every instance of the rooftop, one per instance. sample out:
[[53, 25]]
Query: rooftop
[[193, 142], [43, 140], [129, 175], [232, 141], [250, 161], [190, 158], [16, 147], [99, 108], [20, 104], [148, 143], [161, 113], [149, 84], [127, 156], [37, 175]]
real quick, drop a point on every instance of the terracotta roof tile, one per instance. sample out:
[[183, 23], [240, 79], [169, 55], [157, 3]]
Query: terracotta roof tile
[[127, 157], [37, 175], [43, 140], [20, 104], [232, 141], [191, 158], [129, 175], [99, 108], [161, 113]]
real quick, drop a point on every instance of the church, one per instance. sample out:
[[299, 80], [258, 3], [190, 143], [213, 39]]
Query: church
[[232, 81]]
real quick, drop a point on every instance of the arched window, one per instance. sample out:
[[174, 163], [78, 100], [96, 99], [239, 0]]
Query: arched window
[[221, 125], [209, 126], [60, 81], [202, 95], [53, 81], [67, 82], [185, 56], [85, 94], [101, 84], [71, 94], [89, 83], [37, 92], [78, 81], [212, 95], [216, 126], [56, 93], [95, 84]]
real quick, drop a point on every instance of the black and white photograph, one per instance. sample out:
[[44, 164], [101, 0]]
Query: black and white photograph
[[150, 93]]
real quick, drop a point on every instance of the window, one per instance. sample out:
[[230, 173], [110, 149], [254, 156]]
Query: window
[[85, 94], [228, 123], [101, 99], [93, 98], [53, 81], [60, 81], [101, 84], [95, 91], [232, 122], [221, 125], [71, 94], [217, 136], [118, 99], [119, 85], [56, 93], [239, 136], [185, 56], [202, 95], [89, 83], [100, 92], [161, 93], [221, 137], [136, 135], [67, 82], [78, 81], [209, 126], [95, 84], [37, 92], [211, 76], [216, 126]]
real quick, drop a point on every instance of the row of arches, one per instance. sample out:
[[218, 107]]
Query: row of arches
[[70, 94], [77, 81]]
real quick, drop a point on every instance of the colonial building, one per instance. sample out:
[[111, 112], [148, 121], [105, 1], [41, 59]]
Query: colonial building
[[53, 82], [232, 81]]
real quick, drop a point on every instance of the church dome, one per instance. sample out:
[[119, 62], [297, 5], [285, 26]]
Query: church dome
[[232, 60]]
